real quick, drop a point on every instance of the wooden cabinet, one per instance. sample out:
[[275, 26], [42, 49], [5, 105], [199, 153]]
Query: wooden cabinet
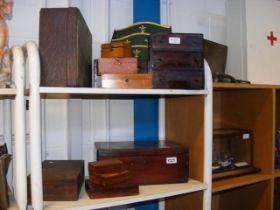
[[252, 107]]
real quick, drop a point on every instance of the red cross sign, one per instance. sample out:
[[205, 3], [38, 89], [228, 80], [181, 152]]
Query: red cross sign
[[271, 38]]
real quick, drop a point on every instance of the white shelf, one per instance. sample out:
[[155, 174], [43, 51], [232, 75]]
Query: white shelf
[[7, 91], [147, 192], [107, 91]]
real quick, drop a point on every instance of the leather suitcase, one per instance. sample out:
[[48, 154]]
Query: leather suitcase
[[115, 50], [148, 162], [65, 45], [134, 81], [216, 56], [116, 66], [62, 180], [176, 60]]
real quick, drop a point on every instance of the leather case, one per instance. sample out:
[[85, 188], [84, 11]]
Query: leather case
[[65, 45]]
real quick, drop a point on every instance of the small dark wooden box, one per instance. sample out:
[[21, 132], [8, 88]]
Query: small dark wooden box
[[176, 60], [149, 162], [62, 180], [65, 45]]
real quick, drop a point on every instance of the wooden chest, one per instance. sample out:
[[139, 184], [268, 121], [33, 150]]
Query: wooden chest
[[65, 45], [115, 50], [149, 162], [62, 180], [116, 66], [176, 60], [133, 81]]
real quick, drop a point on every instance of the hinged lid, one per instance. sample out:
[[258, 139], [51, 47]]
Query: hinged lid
[[116, 61], [141, 148], [66, 170], [115, 45]]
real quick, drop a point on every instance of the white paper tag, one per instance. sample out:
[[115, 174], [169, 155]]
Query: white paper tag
[[246, 136], [174, 40], [241, 164], [171, 160]]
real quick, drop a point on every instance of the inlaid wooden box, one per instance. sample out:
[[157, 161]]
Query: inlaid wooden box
[[149, 162]]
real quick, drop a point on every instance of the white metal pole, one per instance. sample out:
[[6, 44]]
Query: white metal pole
[[19, 123], [7, 113], [161, 114], [33, 62], [208, 133]]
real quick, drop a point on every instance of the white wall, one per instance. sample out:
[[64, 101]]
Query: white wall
[[250, 54], [236, 39], [200, 16], [263, 65]]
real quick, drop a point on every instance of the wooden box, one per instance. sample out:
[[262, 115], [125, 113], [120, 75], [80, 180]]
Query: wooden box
[[107, 172], [62, 180], [65, 45], [133, 81], [149, 162], [180, 58], [118, 190], [115, 50], [116, 66], [177, 79]]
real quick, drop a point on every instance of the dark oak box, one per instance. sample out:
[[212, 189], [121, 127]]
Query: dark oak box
[[149, 162], [176, 60], [65, 45], [62, 180]]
